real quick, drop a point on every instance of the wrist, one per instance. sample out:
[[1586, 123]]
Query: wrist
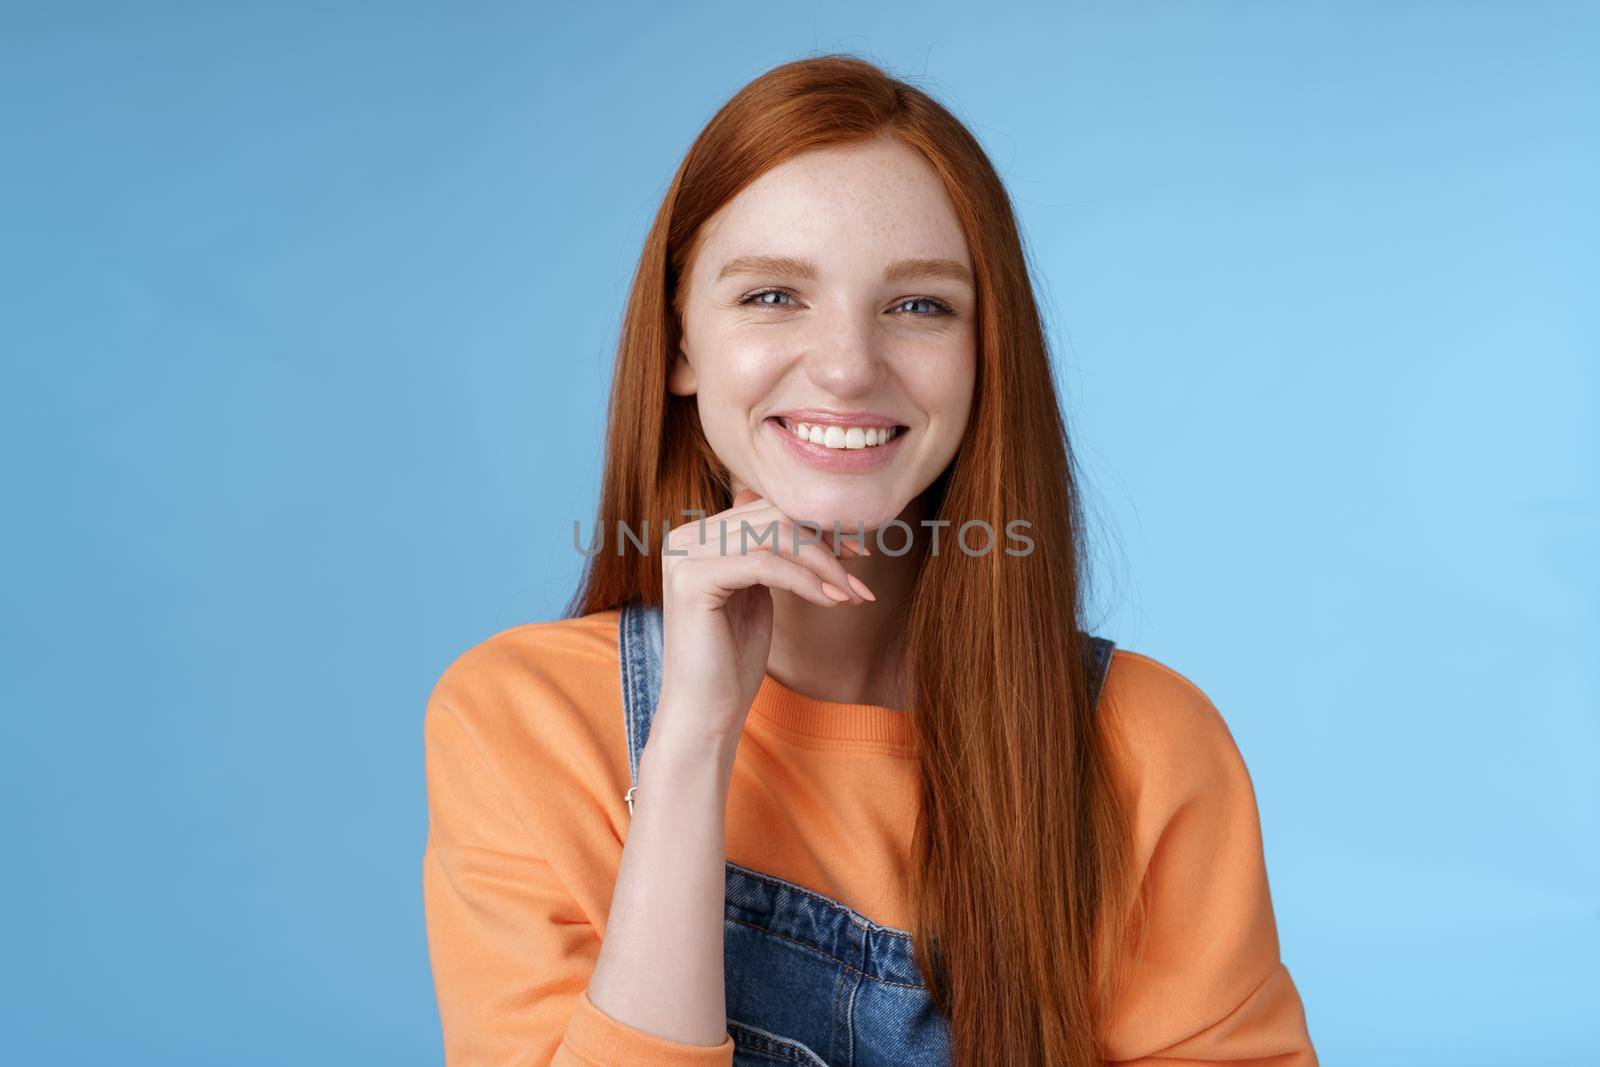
[[684, 743]]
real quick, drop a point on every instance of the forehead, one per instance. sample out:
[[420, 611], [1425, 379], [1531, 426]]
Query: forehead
[[869, 202]]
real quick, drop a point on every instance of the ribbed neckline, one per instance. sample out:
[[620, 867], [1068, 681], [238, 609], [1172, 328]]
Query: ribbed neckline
[[829, 721]]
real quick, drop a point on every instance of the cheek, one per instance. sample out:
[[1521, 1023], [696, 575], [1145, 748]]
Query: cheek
[[737, 377], [943, 388]]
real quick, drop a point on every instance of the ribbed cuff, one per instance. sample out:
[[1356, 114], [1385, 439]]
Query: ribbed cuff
[[595, 1038]]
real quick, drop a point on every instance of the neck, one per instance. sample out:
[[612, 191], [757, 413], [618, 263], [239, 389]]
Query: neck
[[851, 653]]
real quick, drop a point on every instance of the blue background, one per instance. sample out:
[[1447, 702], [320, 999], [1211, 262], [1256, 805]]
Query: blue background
[[309, 319]]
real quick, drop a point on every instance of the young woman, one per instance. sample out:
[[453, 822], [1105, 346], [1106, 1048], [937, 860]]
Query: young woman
[[873, 800]]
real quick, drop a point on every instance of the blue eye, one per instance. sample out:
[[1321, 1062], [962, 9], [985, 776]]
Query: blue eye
[[939, 306], [755, 297]]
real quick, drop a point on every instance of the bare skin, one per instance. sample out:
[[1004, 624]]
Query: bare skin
[[856, 341]]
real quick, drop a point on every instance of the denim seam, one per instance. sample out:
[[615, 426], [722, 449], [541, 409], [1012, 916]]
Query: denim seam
[[848, 1026], [822, 954], [630, 680], [769, 1042], [826, 901], [838, 986]]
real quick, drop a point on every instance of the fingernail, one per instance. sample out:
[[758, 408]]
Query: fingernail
[[860, 587], [835, 592]]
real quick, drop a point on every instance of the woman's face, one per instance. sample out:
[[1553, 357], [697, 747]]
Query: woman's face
[[833, 298]]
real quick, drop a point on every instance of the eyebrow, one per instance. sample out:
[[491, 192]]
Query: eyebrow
[[793, 267]]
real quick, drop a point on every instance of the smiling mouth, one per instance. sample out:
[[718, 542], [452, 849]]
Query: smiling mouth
[[835, 436]]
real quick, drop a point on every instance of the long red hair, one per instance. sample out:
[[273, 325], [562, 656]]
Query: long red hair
[[1022, 892]]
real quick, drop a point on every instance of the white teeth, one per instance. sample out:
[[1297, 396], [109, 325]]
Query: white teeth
[[835, 436]]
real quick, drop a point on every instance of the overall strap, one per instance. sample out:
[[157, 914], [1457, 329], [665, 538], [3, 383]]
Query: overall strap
[[1100, 650], [639, 652]]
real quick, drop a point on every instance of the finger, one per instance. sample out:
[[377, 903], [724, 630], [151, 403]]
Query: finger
[[820, 559], [728, 574], [708, 528], [725, 529], [747, 501], [780, 534], [762, 510]]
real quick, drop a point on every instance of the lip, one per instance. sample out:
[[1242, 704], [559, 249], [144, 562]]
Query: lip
[[838, 460], [823, 417]]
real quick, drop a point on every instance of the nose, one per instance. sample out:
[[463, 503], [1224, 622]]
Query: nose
[[845, 360]]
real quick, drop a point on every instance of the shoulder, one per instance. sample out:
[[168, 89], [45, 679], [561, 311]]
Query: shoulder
[[1172, 742], [1207, 981], [556, 654], [550, 686]]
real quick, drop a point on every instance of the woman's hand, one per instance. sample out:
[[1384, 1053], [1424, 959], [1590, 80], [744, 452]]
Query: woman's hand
[[717, 607]]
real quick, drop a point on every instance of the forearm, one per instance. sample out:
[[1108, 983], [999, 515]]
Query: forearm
[[660, 963]]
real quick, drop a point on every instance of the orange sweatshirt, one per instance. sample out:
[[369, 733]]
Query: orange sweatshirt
[[527, 766]]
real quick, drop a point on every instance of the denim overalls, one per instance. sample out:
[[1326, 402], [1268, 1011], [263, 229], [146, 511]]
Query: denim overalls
[[809, 981]]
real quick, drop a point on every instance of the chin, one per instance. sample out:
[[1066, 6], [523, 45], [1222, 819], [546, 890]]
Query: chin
[[851, 507]]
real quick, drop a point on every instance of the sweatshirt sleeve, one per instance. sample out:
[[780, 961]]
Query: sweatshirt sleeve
[[510, 950], [1208, 986]]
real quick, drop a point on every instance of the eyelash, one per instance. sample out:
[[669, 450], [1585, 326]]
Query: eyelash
[[944, 309]]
